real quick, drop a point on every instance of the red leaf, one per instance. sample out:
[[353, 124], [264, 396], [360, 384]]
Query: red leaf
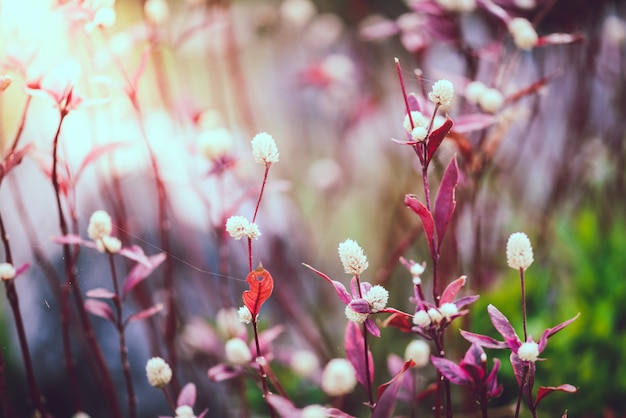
[[452, 289], [100, 292], [502, 325], [140, 272], [435, 139], [187, 395], [135, 253], [99, 308], [418, 207], [545, 391], [261, 286], [445, 203], [339, 287], [399, 321], [355, 349], [146, 313], [95, 153], [561, 39], [551, 331], [388, 393]]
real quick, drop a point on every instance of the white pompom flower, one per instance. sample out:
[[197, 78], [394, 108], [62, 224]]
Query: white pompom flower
[[519, 251], [474, 91], [352, 257], [419, 351], [448, 310], [491, 100], [421, 319], [528, 351], [356, 317], [523, 33], [338, 377], [100, 225], [237, 352], [418, 120], [244, 315], [435, 315], [158, 372], [238, 227], [442, 93], [377, 297], [264, 149], [7, 271], [184, 411]]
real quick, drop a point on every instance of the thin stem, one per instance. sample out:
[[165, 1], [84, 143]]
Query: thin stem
[[521, 275], [521, 392], [13, 299], [7, 410], [20, 129], [262, 373], [367, 367], [119, 324], [258, 202], [483, 403], [439, 345], [170, 401]]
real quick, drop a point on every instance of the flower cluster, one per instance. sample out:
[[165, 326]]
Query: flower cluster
[[519, 251], [158, 372], [99, 230], [239, 227], [352, 257], [264, 149]]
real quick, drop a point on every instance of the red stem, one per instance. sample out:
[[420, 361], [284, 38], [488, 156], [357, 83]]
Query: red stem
[[521, 275], [262, 373], [365, 351]]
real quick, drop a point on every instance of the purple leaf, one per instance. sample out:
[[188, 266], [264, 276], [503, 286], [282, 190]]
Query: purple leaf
[[414, 103], [140, 272], [360, 306], [503, 326], [68, 239], [466, 300], [418, 207], [445, 203], [22, 269], [100, 292], [493, 388], [407, 387], [451, 371], [545, 391], [435, 139], [372, 328], [473, 122], [99, 308], [452, 289], [146, 313], [135, 253], [520, 367], [355, 346], [187, 395], [388, 393], [483, 340], [95, 153], [551, 331], [474, 354], [221, 372], [282, 406], [339, 288]]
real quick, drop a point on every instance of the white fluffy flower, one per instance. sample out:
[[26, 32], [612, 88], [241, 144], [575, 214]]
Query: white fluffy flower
[[356, 317], [7, 271], [237, 352], [421, 319], [352, 257], [419, 351], [158, 372], [519, 252], [419, 133], [314, 411], [448, 310], [442, 92], [304, 363], [491, 100], [228, 322], [100, 225], [109, 244], [238, 227], [416, 271], [528, 351], [244, 315], [435, 316], [215, 144], [418, 120], [184, 411], [474, 91], [523, 32], [339, 377], [377, 297], [264, 149]]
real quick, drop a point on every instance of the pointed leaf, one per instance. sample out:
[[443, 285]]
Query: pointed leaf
[[355, 349], [146, 313], [99, 308], [493, 388], [135, 253], [221, 372], [372, 328], [436, 137], [483, 340], [95, 153], [140, 272], [551, 331], [339, 287], [361, 306], [474, 122], [414, 103], [388, 393], [545, 391], [396, 320], [187, 395], [445, 203], [502, 324], [466, 300], [13, 159], [283, 407], [452, 289], [451, 371], [428, 222], [21, 269], [100, 292], [261, 286]]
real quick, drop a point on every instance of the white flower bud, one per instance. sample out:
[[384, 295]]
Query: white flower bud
[[352, 257], [304, 363], [228, 322], [237, 352], [448, 310], [314, 411], [109, 244], [7, 271], [239, 227], [435, 316], [377, 297], [442, 93], [419, 133], [356, 317], [264, 149], [491, 100], [421, 319], [524, 35], [158, 372], [519, 251], [418, 120], [244, 315], [419, 351], [416, 271], [184, 411], [100, 225], [474, 91], [528, 351], [458, 6], [339, 377]]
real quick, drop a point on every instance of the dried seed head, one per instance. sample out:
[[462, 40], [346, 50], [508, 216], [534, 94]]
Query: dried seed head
[[100, 225], [264, 149], [419, 351], [158, 372], [339, 377], [352, 257], [237, 352], [519, 251], [7, 271], [528, 351], [442, 93]]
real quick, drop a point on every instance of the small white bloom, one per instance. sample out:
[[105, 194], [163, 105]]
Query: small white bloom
[[338, 377], [377, 297], [244, 315], [304, 363], [519, 252], [442, 92], [416, 271], [109, 244], [356, 317], [237, 352], [184, 411], [158, 372], [435, 316], [352, 257], [156, 11], [418, 120], [474, 91], [491, 100], [100, 225], [314, 411], [7, 271], [421, 319], [523, 32], [238, 227], [458, 6], [264, 149], [419, 133], [215, 144], [253, 231], [448, 310], [419, 351], [528, 351], [227, 321]]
